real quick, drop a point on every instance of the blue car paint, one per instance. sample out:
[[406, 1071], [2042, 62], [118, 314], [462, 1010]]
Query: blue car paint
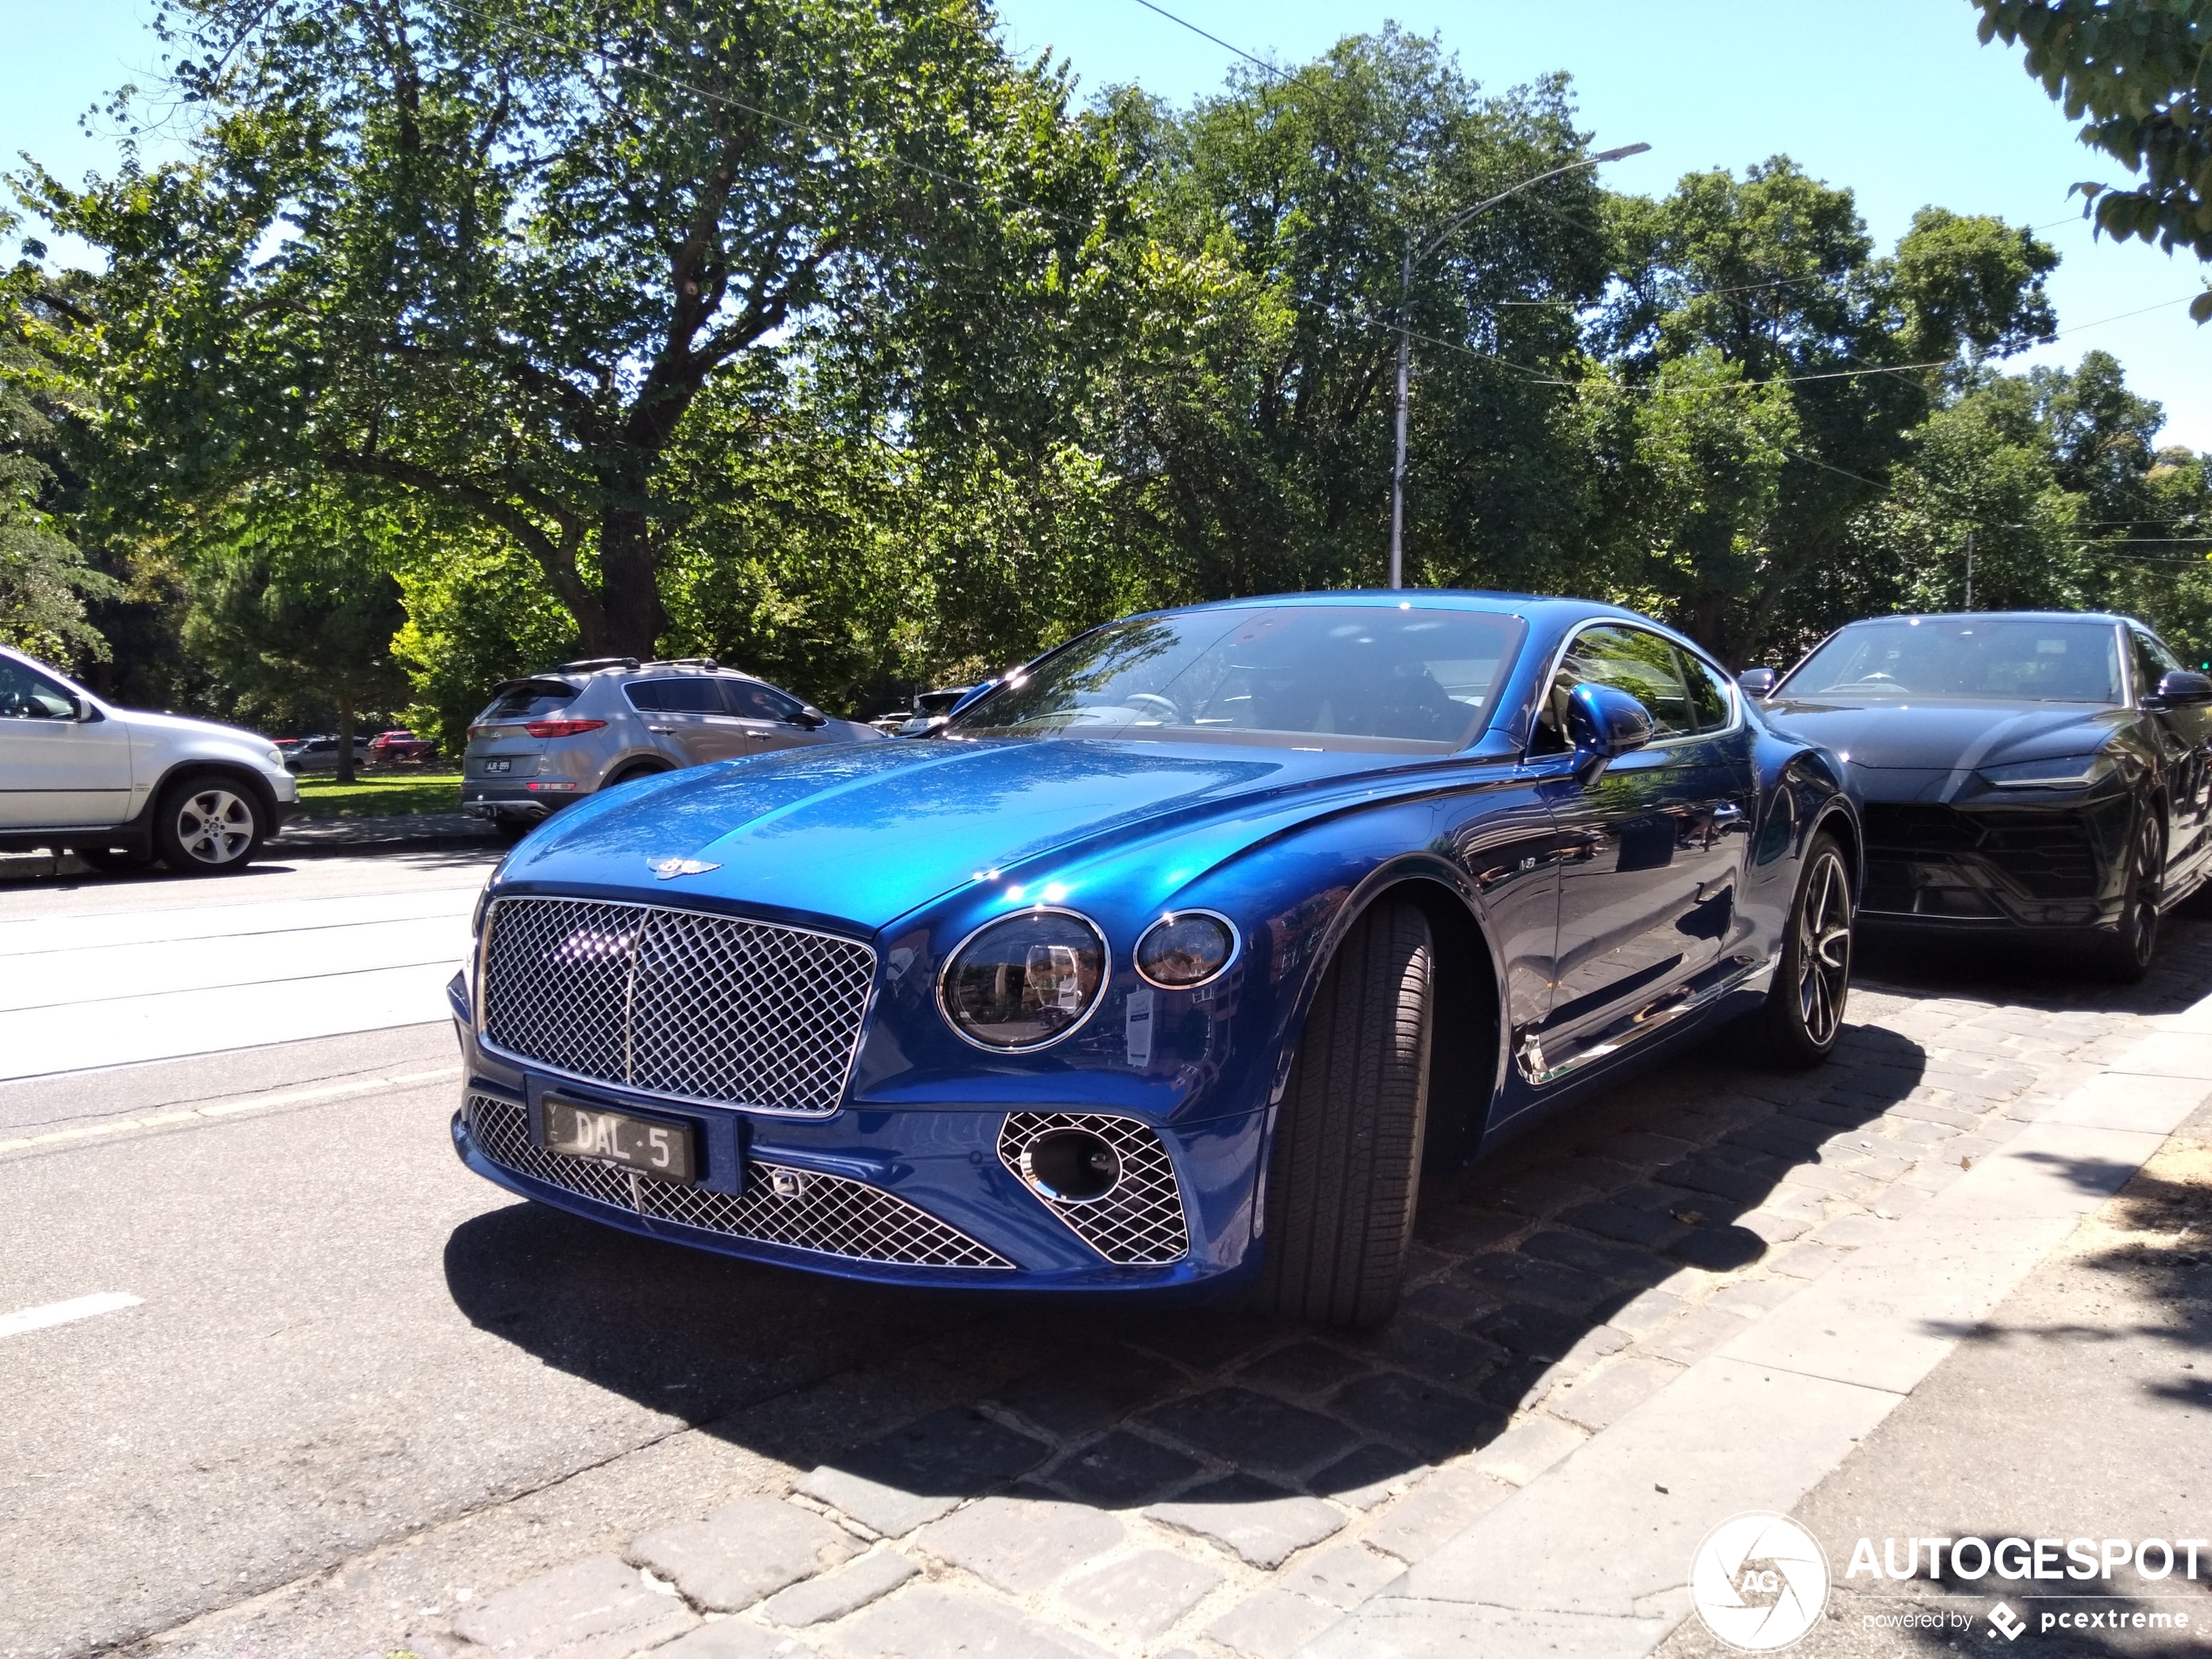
[[913, 847]]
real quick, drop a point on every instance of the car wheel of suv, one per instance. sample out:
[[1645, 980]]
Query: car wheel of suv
[[1344, 1174], [2122, 955], [1805, 1008], [207, 825], [643, 769]]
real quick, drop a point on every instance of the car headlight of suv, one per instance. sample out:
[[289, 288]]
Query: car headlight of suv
[[2059, 771], [274, 756], [1024, 981]]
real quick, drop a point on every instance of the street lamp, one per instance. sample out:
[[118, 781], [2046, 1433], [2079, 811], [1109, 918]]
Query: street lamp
[[1404, 327]]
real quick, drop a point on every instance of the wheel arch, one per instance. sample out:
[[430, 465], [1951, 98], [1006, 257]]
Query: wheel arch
[[264, 797], [1467, 1057]]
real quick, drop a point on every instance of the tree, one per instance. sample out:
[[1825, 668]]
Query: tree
[[1774, 276], [494, 251], [293, 598], [2141, 71]]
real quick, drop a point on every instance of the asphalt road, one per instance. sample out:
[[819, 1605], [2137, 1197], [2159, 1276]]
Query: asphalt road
[[335, 1371]]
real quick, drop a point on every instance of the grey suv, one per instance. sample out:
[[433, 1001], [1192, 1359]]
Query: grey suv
[[558, 735]]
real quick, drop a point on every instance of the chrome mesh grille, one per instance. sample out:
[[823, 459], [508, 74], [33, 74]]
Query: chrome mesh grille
[[1140, 1222], [677, 1002], [824, 1213]]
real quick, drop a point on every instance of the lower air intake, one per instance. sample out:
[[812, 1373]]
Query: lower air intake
[[798, 1209], [1138, 1220]]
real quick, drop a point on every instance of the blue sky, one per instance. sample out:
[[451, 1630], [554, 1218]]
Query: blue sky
[[1895, 99]]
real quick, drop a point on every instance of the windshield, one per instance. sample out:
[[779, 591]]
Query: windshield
[[1310, 677], [1998, 659]]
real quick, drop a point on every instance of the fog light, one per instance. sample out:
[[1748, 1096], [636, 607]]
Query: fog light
[[1072, 1165]]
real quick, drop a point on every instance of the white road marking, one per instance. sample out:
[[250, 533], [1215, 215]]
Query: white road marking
[[108, 1128], [82, 1307]]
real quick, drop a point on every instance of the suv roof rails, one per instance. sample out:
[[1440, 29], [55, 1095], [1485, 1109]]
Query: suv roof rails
[[682, 662], [586, 665]]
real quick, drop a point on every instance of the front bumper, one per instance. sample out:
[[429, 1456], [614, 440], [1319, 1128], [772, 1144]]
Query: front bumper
[[907, 1196], [2055, 868]]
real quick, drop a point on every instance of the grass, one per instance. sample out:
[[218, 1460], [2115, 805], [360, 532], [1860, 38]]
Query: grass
[[372, 795]]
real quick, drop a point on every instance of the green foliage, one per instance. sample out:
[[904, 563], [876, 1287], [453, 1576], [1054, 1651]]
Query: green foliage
[[2140, 73], [478, 612], [295, 600]]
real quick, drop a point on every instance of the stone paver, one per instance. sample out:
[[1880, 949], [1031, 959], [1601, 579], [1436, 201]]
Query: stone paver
[[1021, 1544], [1261, 1523], [599, 1608], [835, 1595], [1272, 1625], [1140, 1595], [743, 1551], [929, 1621], [921, 1472]]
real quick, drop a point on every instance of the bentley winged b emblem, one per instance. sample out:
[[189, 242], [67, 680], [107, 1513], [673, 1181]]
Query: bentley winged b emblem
[[669, 869]]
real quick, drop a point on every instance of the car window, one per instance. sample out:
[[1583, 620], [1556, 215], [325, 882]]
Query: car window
[[2153, 662], [1304, 676], [1711, 698], [528, 699], [2007, 659], [694, 694], [754, 701], [26, 695], [1634, 660]]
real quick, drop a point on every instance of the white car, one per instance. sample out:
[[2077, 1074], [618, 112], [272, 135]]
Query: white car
[[122, 787]]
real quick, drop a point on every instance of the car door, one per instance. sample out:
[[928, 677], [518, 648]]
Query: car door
[[1654, 849], [63, 763], [2183, 733], [688, 719], [772, 720]]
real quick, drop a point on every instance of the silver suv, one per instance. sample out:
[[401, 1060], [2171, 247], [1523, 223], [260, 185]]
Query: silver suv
[[121, 787], [556, 736]]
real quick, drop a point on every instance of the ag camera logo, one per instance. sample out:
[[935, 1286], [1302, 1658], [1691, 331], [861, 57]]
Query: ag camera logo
[[1759, 1581]]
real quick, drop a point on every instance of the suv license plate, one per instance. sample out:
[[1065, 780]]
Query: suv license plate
[[491, 767], [662, 1150]]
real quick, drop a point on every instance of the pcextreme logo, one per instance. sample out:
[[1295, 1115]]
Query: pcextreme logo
[[1759, 1581]]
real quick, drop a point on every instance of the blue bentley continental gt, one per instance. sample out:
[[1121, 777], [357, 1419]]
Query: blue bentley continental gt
[[1172, 959]]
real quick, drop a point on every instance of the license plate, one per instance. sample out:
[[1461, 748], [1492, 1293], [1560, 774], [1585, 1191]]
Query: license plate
[[491, 767], [662, 1150]]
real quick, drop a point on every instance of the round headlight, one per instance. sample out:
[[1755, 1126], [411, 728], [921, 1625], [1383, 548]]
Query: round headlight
[[1024, 981], [1184, 948]]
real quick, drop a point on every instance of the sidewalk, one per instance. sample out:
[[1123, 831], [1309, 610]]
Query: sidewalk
[[426, 832]]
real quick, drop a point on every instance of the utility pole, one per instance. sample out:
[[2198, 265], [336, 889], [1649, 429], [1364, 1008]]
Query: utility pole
[[1406, 324], [1969, 570]]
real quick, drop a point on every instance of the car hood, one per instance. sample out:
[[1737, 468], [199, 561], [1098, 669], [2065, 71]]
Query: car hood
[[866, 833], [1939, 735], [182, 726]]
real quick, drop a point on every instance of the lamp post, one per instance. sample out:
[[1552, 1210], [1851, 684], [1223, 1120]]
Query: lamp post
[[1405, 323]]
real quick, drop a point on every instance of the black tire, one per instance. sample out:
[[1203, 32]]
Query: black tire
[[1805, 1008], [2121, 954], [632, 775], [208, 824], [1344, 1173]]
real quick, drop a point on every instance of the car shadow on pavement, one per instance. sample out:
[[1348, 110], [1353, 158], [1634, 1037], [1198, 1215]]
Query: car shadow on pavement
[[1527, 1270]]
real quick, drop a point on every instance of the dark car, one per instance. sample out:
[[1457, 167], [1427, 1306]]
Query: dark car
[[2029, 773], [1168, 961]]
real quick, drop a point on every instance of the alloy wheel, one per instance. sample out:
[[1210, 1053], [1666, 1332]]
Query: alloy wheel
[[214, 826], [2145, 884], [1824, 950]]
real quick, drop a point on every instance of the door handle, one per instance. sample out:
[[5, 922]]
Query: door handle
[[660, 728]]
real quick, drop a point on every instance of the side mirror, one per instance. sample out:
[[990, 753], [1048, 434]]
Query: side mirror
[[810, 717], [1605, 723], [2182, 685], [1757, 681]]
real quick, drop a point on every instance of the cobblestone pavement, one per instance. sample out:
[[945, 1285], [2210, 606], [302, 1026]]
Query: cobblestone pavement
[[1207, 1484]]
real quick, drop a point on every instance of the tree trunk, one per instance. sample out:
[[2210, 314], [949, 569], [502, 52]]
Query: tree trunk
[[629, 588], [345, 774]]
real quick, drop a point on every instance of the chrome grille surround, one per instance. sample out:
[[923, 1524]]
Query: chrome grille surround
[[828, 1215], [1139, 1223], [679, 1004]]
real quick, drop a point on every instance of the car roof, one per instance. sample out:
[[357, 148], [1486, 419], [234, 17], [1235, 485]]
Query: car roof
[[2109, 617], [1531, 606]]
